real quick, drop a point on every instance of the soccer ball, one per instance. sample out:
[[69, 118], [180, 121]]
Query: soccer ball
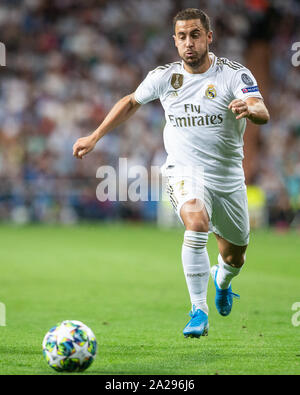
[[70, 346]]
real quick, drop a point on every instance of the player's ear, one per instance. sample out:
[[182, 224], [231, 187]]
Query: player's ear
[[209, 37], [175, 40]]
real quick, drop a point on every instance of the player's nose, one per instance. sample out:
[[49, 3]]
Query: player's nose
[[189, 42]]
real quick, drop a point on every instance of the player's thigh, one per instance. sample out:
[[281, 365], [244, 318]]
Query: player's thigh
[[230, 218], [232, 254], [190, 200]]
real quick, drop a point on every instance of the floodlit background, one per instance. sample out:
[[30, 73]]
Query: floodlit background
[[69, 61]]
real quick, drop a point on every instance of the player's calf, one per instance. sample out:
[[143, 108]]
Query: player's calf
[[231, 260], [236, 260]]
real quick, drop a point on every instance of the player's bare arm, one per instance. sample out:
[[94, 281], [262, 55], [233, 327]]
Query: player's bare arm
[[252, 108], [120, 112]]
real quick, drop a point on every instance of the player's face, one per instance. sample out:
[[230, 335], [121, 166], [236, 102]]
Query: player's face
[[192, 41]]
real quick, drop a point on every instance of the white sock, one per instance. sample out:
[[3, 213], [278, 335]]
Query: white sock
[[196, 267], [226, 273]]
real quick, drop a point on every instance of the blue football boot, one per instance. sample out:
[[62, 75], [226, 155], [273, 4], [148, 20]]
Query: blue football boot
[[224, 297], [198, 325]]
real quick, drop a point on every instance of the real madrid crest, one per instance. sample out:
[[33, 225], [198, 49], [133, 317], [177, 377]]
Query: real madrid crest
[[211, 92], [177, 80]]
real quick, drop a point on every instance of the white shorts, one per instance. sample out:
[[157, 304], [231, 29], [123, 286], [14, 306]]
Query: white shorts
[[228, 212]]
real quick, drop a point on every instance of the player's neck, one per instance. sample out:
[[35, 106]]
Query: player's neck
[[199, 69]]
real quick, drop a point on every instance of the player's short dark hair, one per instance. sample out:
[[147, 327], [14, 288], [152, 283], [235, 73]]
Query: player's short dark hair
[[193, 13]]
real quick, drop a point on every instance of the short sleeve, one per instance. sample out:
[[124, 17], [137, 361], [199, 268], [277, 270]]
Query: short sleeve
[[148, 90], [244, 85]]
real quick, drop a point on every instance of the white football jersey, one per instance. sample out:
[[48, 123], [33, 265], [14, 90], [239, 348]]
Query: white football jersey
[[200, 130]]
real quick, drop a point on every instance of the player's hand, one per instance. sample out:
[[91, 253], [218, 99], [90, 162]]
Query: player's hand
[[238, 106], [83, 146]]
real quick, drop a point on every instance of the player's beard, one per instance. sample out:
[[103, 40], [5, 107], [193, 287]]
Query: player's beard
[[196, 61]]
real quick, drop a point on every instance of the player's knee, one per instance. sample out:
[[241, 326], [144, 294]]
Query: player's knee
[[196, 221], [197, 226]]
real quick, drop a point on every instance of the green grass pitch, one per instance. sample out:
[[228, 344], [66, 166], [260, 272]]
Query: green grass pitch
[[126, 283]]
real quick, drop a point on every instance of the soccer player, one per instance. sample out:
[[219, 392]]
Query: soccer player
[[207, 102]]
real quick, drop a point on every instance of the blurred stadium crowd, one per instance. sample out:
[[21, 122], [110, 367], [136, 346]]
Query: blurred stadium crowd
[[69, 61]]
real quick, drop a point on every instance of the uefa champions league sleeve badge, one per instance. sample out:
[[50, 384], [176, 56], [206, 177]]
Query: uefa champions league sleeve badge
[[247, 80]]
